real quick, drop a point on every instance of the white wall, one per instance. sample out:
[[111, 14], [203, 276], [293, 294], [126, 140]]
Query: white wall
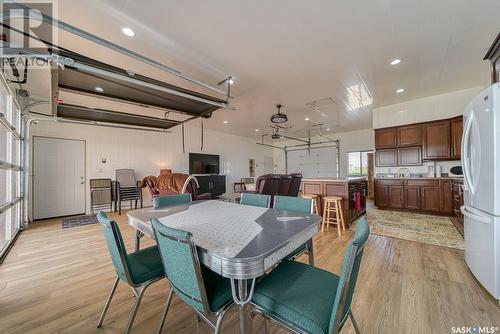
[[148, 152], [425, 109], [359, 140], [422, 110]]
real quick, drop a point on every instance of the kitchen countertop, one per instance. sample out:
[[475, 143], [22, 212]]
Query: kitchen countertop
[[334, 179], [420, 178]]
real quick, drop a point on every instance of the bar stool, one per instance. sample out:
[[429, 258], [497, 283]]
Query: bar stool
[[315, 200], [333, 205]]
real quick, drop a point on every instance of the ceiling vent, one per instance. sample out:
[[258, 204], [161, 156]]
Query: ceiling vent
[[317, 104]]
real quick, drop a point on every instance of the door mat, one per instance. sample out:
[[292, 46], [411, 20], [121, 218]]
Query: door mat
[[79, 221]]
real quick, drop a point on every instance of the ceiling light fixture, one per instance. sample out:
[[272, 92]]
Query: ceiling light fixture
[[257, 130], [99, 89], [328, 129], [226, 81], [400, 90], [129, 32], [395, 61], [279, 118], [307, 118], [225, 122]]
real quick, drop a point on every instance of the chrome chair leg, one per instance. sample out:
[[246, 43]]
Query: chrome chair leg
[[165, 311], [354, 323], [135, 309], [218, 325], [108, 301]]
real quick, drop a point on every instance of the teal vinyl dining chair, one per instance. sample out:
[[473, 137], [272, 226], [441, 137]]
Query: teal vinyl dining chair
[[171, 200], [208, 293], [255, 200], [296, 204], [138, 269], [296, 295]]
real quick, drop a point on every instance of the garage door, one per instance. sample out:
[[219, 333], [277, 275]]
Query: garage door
[[320, 162]]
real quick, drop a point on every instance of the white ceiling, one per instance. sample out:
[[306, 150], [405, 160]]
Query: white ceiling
[[294, 51]]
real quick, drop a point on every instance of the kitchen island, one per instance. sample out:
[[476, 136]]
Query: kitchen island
[[353, 190]]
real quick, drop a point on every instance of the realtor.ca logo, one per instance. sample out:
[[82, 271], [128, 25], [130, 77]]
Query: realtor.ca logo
[[475, 330], [22, 29]]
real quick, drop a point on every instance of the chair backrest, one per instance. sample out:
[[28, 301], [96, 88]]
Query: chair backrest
[[171, 200], [100, 183], [297, 204], [268, 184], [349, 276], [255, 200], [116, 246], [126, 177], [181, 264], [285, 182], [295, 184], [239, 187]]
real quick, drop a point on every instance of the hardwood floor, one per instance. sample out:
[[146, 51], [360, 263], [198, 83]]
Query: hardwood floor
[[56, 281]]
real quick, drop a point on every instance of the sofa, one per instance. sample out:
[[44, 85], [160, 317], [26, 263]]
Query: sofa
[[168, 183]]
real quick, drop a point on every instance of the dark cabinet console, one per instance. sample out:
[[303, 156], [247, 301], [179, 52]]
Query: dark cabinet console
[[215, 185]]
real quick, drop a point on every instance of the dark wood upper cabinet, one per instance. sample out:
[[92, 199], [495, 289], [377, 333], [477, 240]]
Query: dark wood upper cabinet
[[437, 140], [386, 158], [410, 135], [457, 126], [385, 138], [410, 156], [493, 55]]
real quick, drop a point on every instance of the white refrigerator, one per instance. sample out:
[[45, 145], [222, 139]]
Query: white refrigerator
[[481, 166]]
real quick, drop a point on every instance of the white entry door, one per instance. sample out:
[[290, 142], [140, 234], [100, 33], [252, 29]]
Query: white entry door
[[268, 165], [59, 177]]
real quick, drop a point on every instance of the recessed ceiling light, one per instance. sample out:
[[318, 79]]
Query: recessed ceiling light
[[257, 130], [328, 129], [400, 90], [99, 89], [129, 32], [395, 61], [225, 122], [306, 119]]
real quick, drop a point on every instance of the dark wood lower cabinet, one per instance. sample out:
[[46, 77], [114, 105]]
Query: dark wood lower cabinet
[[412, 198], [396, 197], [446, 198], [429, 199], [416, 194]]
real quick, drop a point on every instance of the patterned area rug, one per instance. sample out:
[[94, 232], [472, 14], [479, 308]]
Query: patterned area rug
[[79, 221], [433, 230]]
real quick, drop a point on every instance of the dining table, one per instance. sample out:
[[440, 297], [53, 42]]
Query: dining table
[[239, 242]]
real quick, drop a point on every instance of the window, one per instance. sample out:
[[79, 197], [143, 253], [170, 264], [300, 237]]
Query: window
[[357, 163]]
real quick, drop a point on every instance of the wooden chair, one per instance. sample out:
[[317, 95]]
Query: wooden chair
[[315, 200], [332, 213]]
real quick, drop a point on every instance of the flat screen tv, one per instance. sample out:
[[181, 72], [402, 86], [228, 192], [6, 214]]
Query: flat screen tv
[[203, 163]]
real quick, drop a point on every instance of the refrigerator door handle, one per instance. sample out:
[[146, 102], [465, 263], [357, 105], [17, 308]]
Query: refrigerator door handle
[[465, 152], [474, 216]]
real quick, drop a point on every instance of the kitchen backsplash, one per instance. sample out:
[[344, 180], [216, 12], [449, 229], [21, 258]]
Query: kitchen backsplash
[[445, 168]]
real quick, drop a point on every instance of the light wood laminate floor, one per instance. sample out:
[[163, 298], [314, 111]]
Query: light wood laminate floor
[[56, 281]]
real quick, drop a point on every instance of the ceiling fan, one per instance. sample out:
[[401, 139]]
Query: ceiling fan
[[279, 117]]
